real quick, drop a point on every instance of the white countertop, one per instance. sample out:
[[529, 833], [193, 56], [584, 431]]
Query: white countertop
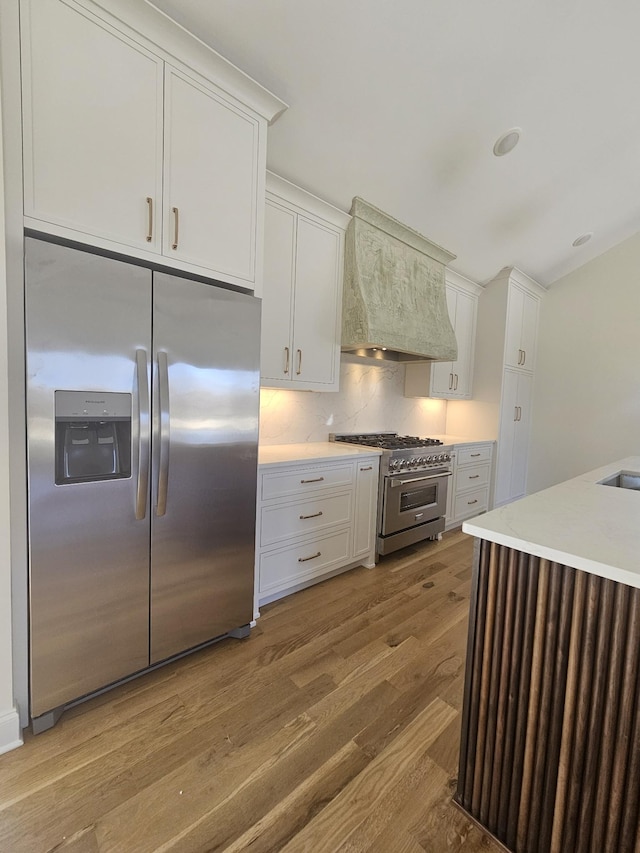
[[312, 451], [578, 523]]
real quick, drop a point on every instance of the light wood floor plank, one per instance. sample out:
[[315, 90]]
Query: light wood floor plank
[[334, 726]]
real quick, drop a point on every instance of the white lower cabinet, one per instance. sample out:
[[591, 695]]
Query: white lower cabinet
[[470, 483], [314, 520]]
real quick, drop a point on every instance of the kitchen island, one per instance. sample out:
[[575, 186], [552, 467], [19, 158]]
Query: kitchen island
[[550, 742]]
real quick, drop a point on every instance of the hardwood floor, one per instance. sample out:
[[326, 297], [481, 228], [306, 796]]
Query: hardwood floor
[[334, 727]]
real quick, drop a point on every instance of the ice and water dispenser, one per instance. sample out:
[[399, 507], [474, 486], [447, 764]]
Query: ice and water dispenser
[[93, 436]]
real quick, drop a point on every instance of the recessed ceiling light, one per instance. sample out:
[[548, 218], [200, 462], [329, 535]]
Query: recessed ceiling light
[[582, 239], [507, 142]]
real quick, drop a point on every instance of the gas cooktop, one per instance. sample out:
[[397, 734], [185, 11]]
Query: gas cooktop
[[386, 440]]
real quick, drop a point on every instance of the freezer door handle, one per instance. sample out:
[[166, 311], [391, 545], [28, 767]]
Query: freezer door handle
[[163, 461], [142, 486]]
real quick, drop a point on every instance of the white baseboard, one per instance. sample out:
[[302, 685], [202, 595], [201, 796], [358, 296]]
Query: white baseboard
[[10, 736]]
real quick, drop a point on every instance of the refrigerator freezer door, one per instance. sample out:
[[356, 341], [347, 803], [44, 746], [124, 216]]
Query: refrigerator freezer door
[[205, 428], [87, 316]]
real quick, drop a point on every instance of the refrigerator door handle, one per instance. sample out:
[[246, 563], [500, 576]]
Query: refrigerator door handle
[[142, 381], [163, 462]]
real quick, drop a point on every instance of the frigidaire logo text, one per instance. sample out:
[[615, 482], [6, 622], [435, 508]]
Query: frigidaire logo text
[[95, 401]]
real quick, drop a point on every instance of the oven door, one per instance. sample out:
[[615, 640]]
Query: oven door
[[410, 500]]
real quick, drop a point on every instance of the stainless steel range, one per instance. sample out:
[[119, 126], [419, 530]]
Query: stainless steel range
[[412, 497]]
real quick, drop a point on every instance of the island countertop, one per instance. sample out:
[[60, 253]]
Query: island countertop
[[579, 523]]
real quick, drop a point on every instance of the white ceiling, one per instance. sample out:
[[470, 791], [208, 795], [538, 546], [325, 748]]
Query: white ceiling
[[401, 101]]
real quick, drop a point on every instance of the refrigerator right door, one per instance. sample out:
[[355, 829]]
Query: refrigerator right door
[[205, 440]]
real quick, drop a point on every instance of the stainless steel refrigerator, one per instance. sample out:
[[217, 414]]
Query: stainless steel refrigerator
[[142, 406]]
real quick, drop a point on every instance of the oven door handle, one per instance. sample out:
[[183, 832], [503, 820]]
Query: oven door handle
[[394, 482]]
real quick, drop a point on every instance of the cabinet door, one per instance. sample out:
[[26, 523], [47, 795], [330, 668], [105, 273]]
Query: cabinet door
[[442, 380], [211, 179], [277, 297], [365, 516], [315, 327], [507, 436], [521, 436], [513, 332], [464, 326], [92, 126], [530, 306]]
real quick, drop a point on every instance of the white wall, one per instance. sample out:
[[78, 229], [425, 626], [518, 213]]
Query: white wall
[[9, 721], [586, 408], [370, 399]]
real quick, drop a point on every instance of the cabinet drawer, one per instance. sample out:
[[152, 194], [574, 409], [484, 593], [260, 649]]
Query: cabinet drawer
[[295, 519], [471, 477], [298, 481], [471, 503], [288, 566], [479, 453]]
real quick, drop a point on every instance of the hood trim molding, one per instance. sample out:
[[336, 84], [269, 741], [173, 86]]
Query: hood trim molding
[[394, 290]]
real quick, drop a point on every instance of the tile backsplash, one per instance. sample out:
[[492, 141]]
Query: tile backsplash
[[370, 399]]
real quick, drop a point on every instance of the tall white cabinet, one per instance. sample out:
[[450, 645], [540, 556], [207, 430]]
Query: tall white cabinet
[[450, 380], [302, 294], [507, 328], [139, 139]]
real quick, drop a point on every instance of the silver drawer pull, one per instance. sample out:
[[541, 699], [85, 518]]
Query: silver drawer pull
[[474, 476], [312, 557], [419, 515], [476, 454], [368, 468], [315, 515], [317, 480], [472, 502]]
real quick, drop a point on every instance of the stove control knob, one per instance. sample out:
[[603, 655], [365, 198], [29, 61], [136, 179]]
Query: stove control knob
[[447, 457], [429, 459], [395, 463]]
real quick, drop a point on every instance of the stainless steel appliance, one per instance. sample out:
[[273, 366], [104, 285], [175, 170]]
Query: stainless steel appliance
[[142, 403], [412, 496]]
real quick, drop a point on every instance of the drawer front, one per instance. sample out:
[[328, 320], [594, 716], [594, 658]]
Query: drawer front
[[471, 503], [283, 521], [474, 453], [472, 477], [288, 566], [303, 479]]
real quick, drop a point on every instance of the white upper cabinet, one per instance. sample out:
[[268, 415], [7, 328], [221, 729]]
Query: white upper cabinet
[[139, 139], [302, 295], [211, 178], [92, 127], [522, 328], [445, 379]]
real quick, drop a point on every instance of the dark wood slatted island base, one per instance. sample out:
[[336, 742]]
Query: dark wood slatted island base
[[550, 745]]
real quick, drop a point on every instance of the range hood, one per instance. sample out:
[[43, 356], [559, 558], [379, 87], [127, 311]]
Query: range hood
[[394, 305]]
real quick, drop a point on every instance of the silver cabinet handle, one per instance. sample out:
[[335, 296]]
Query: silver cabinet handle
[[475, 454], [524, 356], [515, 413], [163, 456], [450, 381], [176, 227], [313, 515], [299, 370], [394, 483], [312, 557], [286, 359], [455, 387], [317, 480], [472, 502], [519, 413], [474, 476], [150, 219], [368, 468], [142, 382], [418, 515]]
